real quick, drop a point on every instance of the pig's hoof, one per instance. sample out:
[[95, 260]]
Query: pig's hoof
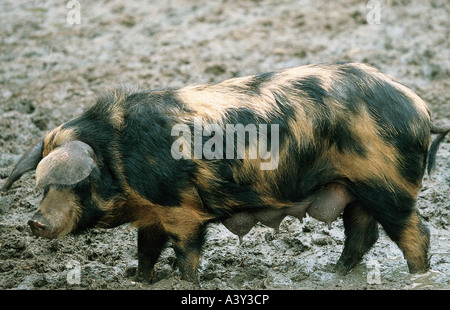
[[143, 277], [342, 268]]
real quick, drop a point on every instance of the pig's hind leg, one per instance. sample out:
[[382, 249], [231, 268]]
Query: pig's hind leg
[[395, 210], [361, 232]]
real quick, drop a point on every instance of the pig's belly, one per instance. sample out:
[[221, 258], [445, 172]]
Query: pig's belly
[[325, 205]]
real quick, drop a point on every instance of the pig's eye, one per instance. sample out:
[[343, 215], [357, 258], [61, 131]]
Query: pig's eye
[[46, 189]]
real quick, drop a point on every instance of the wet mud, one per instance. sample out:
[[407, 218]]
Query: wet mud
[[51, 71]]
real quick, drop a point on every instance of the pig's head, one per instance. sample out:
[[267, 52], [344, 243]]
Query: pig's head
[[66, 175]]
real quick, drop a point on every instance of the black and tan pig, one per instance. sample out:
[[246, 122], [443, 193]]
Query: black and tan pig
[[336, 138]]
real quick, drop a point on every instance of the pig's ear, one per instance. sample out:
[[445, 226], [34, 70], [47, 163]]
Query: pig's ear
[[68, 164]]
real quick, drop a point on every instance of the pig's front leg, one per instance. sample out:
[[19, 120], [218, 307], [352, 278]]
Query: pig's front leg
[[151, 242], [187, 248]]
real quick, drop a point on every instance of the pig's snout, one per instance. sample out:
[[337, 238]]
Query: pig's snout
[[40, 227]]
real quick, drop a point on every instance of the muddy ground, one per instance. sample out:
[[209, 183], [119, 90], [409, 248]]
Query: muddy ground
[[50, 71]]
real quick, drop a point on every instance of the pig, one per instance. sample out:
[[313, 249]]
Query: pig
[[349, 141]]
